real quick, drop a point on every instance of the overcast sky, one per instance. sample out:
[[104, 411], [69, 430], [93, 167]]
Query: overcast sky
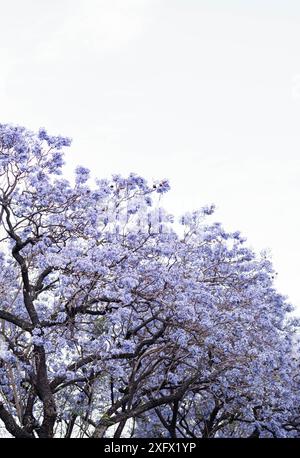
[[205, 93]]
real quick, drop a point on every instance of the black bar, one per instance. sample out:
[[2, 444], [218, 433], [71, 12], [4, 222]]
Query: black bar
[[153, 447]]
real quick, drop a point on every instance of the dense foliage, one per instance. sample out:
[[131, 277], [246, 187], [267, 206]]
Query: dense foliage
[[117, 321]]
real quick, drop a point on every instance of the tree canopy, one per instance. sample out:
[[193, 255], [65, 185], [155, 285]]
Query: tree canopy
[[117, 320]]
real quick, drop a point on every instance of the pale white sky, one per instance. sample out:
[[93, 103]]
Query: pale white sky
[[204, 92]]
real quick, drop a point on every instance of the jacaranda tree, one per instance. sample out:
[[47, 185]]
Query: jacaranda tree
[[116, 321]]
